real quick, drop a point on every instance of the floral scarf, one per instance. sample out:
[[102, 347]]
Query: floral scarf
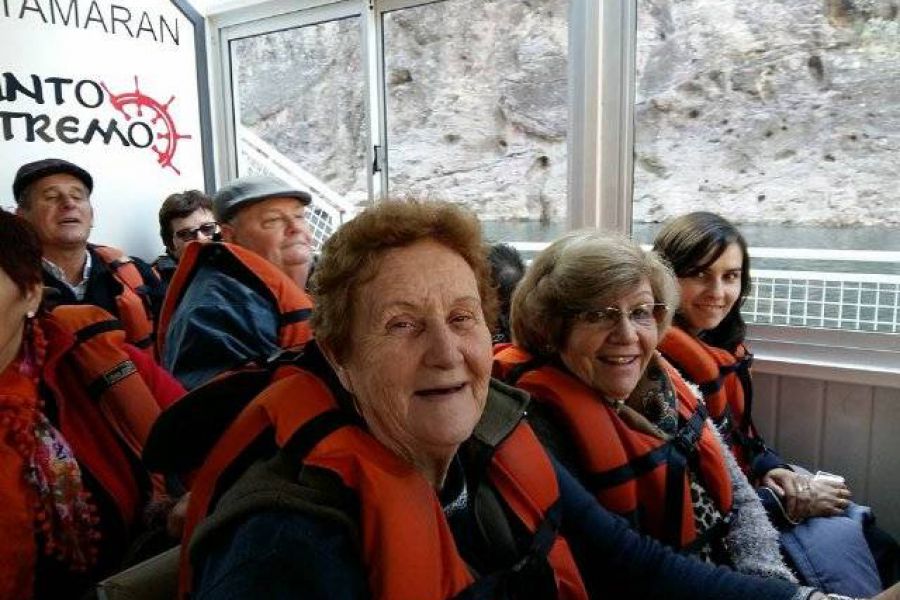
[[65, 517]]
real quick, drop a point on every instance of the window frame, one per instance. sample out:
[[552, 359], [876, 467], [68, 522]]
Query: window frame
[[602, 51], [261, 19]]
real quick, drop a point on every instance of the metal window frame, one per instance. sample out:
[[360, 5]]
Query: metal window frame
[[602, 49], [235, 21], [259, 19], [602, 43]]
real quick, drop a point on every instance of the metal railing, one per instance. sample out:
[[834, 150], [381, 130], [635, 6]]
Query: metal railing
[[825, 299], [818, 299], [851, 301], [328, 210]]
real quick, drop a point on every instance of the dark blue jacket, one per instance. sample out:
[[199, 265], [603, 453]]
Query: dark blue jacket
[[277, 555], [103, 288], [219, 324]]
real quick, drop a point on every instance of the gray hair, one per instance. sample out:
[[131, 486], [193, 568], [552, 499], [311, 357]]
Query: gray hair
[[578, 272]]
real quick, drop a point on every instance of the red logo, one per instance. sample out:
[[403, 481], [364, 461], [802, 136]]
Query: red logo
[[163, 125]]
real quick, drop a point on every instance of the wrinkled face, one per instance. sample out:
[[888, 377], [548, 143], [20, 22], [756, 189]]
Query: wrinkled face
[[275, 229], [59, 208], [421, 356], [189, 227], [611, 359], [13, 307], [708, 296]]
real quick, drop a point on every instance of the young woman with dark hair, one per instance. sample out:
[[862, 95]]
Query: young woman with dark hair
[[707, 344]]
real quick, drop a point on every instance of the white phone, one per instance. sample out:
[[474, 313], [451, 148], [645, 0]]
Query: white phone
[[828, 477]]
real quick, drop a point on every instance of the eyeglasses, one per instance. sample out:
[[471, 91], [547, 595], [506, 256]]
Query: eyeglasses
[[643, 315], [188, 234]]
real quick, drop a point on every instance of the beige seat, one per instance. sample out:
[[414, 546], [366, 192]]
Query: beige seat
[[153, 579]]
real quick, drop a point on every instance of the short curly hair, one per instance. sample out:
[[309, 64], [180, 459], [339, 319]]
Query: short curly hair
[[581, 271], [351, 257]]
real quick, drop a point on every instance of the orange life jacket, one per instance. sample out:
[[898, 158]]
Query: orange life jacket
[[636, 475], [408, 548], [132, 304], [117, 390], [724, 380], [294, 306]]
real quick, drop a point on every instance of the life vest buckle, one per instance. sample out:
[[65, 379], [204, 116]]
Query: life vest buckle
[[282, 356], [685, 441]]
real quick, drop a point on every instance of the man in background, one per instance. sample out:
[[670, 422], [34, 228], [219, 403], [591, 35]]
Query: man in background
[[54, 195], [183, 218], [243, 298]]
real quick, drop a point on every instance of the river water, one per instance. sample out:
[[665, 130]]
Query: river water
[[768, 236]]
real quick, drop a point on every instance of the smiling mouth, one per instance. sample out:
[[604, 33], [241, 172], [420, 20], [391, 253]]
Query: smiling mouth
[[617, 360], [440, 391]]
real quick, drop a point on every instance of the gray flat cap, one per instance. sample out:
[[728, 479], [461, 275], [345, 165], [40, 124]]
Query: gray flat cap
[[246, 190]]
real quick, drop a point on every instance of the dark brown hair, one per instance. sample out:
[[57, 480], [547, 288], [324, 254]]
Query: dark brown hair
[[178, 206], [691, 243], [21, 255]]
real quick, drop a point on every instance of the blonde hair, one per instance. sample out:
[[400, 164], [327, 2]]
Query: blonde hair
[[579, 272]]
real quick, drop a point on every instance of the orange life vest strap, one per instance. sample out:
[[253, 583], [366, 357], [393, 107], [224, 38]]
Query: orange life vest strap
[[111, 378], [626, 469], [132, 304], [293, 305], [408, 549], [253, 420], [724, 381]]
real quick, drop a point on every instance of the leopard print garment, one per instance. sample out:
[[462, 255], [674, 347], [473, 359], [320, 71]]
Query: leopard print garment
[[655, 398]]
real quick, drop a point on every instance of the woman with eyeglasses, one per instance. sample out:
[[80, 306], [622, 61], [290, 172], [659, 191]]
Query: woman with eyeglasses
[[183, 218], [586, 320]]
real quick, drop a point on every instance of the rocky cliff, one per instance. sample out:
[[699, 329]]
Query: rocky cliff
[[781, 111]]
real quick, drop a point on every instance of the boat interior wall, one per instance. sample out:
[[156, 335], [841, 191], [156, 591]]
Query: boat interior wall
[[839, 427]]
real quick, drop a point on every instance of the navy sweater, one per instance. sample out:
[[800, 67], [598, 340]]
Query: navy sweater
[[279, 555]]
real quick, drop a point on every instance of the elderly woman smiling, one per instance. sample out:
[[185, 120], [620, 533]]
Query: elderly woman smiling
[[399, 469], [586, 321]]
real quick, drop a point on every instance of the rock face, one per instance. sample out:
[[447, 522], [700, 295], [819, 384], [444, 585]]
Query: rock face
[[769, 111], [781, 111]]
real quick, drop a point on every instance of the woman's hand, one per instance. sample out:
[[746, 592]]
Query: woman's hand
[[794, 490], [828, 498], [805, 497]]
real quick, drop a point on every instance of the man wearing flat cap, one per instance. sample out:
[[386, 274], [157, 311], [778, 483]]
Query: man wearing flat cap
[[268, 217], [242, 298], [54, 195]]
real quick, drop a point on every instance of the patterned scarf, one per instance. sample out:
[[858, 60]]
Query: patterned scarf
[[65, 517]]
